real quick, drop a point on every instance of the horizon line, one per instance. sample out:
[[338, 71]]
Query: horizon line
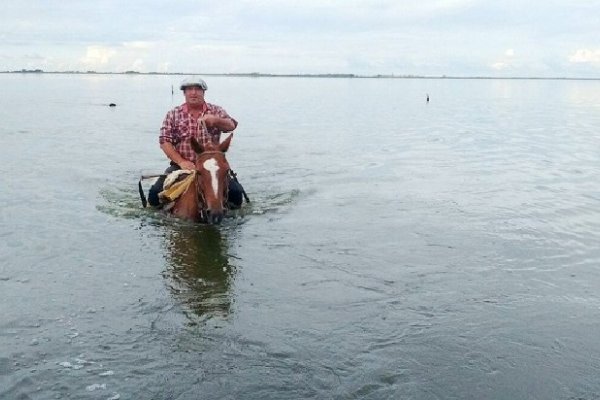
[[297, 75]]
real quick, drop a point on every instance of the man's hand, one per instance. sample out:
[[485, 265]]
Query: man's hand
[[213, 121], [174, 156], [187, 165], [210, 120]]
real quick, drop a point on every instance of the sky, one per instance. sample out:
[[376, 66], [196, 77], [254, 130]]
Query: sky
[[495, 38]]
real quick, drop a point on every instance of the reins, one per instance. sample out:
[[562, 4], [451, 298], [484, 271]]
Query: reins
[[201, 198]]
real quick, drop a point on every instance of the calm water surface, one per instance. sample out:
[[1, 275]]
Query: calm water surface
[[392, 249]]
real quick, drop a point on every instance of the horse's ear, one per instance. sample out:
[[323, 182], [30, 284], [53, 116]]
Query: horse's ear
[[224, 145], [196, 146]]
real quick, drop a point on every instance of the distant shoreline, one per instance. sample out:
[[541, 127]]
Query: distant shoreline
[[265, 75]]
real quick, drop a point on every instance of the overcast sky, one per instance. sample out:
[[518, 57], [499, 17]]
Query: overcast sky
[[545, 38]]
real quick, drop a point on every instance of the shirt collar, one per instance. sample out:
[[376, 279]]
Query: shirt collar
[[185, 109]]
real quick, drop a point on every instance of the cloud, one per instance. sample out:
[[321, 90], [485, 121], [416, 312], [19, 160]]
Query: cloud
[[97, 56], [137, 65], [139, 45], [127, 56], [498, 66], [164, 67], [585, 56], [508, 61]]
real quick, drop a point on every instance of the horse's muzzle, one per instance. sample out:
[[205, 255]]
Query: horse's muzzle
[[214, 217]]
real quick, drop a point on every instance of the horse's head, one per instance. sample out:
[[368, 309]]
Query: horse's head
[[211, 179]]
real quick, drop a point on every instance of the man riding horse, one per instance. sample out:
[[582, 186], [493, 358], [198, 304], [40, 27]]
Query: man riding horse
[[199, 120]]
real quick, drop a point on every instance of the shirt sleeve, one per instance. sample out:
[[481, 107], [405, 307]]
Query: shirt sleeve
[[166, 130], [220, 111]]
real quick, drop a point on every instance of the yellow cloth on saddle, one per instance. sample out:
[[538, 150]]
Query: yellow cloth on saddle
[[173, 190]]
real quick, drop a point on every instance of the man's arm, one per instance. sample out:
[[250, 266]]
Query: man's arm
[[174, 156], [166, 138], [226, 124]]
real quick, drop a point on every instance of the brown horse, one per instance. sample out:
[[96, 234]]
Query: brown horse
[[205, 200]]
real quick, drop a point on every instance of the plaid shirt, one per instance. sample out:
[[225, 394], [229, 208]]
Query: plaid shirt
[[179, 127]]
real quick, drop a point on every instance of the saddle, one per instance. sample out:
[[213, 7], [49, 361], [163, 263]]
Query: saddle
[[176, 184]]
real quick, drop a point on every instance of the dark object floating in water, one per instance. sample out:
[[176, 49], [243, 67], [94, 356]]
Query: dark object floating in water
[[112, 105]]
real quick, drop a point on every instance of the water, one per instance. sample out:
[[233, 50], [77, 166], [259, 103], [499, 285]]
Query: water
[[392, 249]]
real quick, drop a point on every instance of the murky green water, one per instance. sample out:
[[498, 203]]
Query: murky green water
[[392, 249]]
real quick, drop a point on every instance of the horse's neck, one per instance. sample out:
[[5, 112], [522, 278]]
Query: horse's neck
[[187, 205]]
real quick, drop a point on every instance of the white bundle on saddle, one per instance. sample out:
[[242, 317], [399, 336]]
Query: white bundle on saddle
[[175, 186], [173, 177]]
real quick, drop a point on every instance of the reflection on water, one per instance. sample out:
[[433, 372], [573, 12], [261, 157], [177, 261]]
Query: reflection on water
[[198, 272]]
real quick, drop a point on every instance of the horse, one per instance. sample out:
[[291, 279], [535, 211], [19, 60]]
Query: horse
[[205, 200]]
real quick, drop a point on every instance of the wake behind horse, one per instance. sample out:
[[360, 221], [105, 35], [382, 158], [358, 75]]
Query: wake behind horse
[[205, 199]]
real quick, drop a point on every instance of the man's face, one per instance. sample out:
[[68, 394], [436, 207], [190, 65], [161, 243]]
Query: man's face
[[194, 95]]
